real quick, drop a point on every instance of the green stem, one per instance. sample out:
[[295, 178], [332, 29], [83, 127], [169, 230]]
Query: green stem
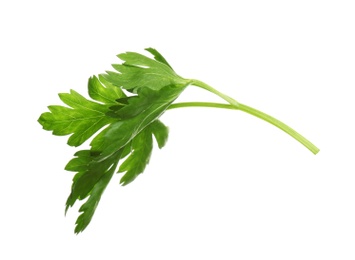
[[203, 85], [233, 104], [201, 104], [281, 126]]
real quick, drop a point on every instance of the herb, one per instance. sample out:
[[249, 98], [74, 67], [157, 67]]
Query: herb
[[126, 106]]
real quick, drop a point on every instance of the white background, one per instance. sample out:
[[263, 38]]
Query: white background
[[227, 185]]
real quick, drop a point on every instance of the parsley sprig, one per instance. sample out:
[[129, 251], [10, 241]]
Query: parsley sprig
[[126, 106]]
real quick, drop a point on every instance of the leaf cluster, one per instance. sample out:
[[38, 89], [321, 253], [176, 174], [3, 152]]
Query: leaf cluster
[[124, 113]]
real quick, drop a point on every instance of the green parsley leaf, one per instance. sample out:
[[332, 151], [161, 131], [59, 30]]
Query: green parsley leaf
[[83, 117], [160, 132], [139, 71], [142, 146], [140, 111], [158, 56], [126, 124], [91, 179]]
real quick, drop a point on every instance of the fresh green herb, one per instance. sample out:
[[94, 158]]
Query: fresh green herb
[[126, 106]]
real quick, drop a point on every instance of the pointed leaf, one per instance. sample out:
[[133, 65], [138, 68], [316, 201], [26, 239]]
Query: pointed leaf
[[158, 56], [83, 117], [142, 146], [139, 71], [161, 133]]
